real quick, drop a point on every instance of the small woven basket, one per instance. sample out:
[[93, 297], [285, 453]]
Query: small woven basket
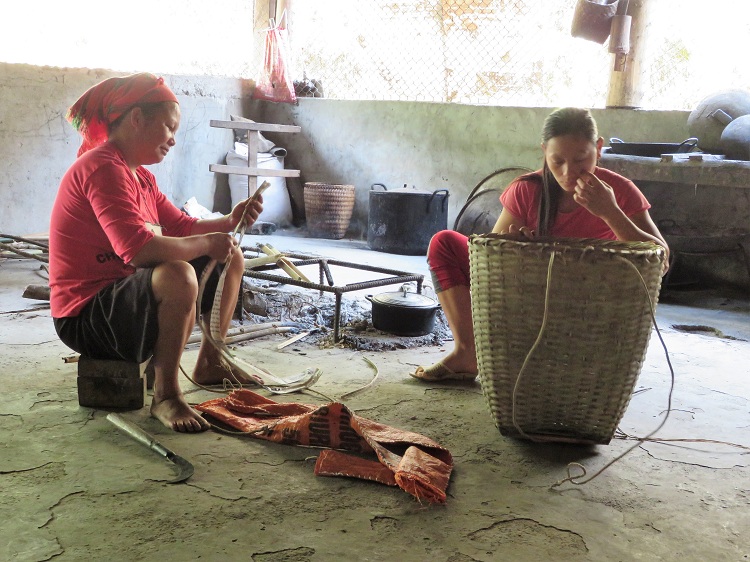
[[561, 328], [328, 209]]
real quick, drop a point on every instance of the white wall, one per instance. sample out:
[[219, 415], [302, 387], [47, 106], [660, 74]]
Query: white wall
[[38, 145], [429, 145]]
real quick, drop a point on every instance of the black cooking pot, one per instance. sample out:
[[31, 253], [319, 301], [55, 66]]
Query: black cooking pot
[[403, 313], [402, 221], [651, 149]]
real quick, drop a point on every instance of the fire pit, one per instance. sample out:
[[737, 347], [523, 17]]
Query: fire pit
[[326, 282]]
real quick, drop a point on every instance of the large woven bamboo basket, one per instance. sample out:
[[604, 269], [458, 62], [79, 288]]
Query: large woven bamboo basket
[[328, 209], [590, 311]]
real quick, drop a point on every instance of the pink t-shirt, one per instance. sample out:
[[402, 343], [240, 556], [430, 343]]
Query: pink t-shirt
[[521, 198], [100, 221]]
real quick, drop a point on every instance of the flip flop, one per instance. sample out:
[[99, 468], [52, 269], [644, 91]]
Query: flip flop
[[439, 372]]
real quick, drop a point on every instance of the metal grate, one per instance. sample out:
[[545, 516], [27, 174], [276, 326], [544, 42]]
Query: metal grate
[[326, 282]]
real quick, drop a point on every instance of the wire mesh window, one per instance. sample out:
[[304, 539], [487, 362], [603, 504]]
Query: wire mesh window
[[504, 52], [695, 48]]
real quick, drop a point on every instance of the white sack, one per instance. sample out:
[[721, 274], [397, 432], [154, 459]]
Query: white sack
[[277, 208]]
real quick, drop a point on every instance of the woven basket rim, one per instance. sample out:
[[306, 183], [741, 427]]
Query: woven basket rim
[[319, 184], [563, 244]]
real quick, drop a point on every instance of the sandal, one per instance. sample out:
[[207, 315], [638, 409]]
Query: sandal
[[439, 372]]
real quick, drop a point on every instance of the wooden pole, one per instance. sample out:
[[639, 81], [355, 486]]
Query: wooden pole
[[625, 89]]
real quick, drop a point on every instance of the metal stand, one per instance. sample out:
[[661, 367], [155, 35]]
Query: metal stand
[[330, 287]]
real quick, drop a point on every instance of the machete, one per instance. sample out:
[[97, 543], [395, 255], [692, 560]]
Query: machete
[[184, 468]]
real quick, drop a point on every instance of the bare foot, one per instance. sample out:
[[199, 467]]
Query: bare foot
[[177, 415], [207, 374], [211, 368]]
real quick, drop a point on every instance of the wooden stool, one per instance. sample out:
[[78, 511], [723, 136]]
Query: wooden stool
[[111, 384]]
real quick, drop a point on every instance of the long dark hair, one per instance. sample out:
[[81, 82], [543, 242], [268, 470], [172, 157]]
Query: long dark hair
[[561, 122]]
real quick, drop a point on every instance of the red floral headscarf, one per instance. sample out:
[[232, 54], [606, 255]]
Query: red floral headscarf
[[102, 104]]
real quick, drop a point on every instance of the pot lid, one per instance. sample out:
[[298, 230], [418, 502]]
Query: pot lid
[[412, 189], [406, 190], [405, 299]]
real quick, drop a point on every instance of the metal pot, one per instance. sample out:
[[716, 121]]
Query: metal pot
[[403, 313], [402, 221], [713, 113], [735, 139]]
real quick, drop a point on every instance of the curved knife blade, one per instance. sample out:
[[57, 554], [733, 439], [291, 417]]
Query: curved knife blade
[[184, 468]]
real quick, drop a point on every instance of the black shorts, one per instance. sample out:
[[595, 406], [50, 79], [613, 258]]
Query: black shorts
[[121, 321]]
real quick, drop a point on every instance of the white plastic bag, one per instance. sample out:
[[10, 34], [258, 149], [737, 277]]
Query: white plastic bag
[[195, 209], [277, 208]]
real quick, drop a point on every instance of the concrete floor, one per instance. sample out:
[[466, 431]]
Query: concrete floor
[[74, 488]]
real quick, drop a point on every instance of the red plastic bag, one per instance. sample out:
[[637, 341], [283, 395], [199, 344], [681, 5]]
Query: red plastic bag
[[275, 81]]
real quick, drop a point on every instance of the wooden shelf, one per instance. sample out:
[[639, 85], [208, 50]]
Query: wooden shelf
[[253, 142], [260, 127], [255, 172]]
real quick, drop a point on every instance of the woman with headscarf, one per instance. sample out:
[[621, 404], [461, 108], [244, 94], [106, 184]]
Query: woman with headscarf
[[124, 261], [571, 196]]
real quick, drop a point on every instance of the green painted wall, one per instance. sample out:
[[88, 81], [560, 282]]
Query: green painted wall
[[432, 146]]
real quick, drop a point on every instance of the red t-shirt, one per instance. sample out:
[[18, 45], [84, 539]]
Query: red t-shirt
[[521, 198], [99, 223]]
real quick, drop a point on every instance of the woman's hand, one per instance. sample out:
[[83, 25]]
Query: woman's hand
[[220, 246], [520, 232], [596, 196], [508, 224], [254, 207]]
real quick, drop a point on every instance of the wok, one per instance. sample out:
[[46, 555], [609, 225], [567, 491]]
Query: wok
[[651, 149]]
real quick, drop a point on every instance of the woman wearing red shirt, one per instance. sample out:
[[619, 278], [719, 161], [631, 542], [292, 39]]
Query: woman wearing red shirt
[[124, 261], [569, 197]]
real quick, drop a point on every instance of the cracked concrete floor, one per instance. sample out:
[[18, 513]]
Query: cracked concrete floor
[[74, 488]]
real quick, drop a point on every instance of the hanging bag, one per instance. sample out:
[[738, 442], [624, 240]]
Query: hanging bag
[[275, 81], [592, 19]]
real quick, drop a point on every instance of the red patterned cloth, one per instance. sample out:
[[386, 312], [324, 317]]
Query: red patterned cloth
[[413, 462], [102, 104]]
